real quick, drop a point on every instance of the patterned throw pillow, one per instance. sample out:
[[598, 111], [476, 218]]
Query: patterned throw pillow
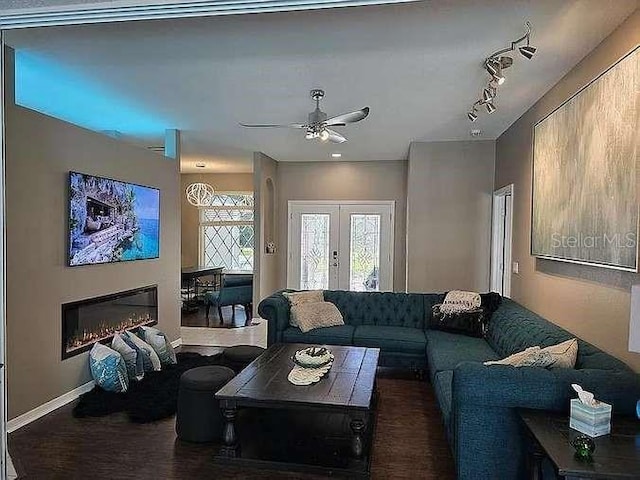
[[530, 357], [148, 349], [159, 343], [143, 355], [317, 315], [564, 354], [300, 298], [133, 361], [108, 369]]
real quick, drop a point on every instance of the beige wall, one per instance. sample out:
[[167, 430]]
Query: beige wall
[[384, 180], [589, 301], [221, 182], [449, 192], [40, 153], [265, 171]]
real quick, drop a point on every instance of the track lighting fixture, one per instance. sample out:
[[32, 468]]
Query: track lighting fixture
[[494, 64]]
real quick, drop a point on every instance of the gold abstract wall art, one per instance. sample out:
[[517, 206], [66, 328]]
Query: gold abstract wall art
[[585, 173]]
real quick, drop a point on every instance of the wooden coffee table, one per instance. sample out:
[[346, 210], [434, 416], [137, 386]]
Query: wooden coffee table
[[335, 417]]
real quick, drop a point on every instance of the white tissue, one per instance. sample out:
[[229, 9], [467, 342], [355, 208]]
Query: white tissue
[[585, 397]]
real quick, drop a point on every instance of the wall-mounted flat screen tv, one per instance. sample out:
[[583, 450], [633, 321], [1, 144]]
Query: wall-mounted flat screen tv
[[111, 221]]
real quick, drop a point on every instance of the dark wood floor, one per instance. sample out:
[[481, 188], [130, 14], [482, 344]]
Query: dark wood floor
[[409, 444], [199, 318]]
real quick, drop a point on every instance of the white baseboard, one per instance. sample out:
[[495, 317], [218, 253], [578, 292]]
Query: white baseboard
[[32, 415]]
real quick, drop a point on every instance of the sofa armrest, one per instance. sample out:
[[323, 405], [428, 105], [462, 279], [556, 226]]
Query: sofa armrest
[[530, 387], [275, 309]]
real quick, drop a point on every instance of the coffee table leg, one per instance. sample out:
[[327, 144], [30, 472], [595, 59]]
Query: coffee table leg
[[357, 442], [230, 447]]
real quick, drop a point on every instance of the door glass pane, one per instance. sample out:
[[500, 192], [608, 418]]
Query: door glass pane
[[314, 251], [364, 261]]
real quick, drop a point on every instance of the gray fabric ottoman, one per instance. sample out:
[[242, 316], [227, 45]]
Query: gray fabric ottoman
[[198, 416], [239, 356]]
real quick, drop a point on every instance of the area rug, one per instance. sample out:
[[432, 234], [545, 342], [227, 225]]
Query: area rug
[[153, 398]]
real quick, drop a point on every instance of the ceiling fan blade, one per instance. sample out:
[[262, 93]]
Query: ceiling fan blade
[[350, 117], [270, 125], [335, 137]]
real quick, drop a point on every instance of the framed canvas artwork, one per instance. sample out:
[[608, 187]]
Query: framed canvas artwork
[[585, 173]]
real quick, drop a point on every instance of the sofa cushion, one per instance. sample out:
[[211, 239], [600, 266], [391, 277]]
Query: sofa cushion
[[379, 308], [390, 339], [442, 385], [338, 335], [446, 350]]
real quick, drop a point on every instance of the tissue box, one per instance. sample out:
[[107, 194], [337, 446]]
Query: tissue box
[[592, 421]]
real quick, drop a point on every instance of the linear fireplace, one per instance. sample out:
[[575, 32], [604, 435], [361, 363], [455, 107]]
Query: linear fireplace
[[97, 319]]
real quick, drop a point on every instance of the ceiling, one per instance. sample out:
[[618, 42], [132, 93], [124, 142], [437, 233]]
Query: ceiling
[[418, 66]]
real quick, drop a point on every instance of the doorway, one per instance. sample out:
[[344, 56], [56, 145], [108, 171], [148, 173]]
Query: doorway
[[501, 239], [340, 245]]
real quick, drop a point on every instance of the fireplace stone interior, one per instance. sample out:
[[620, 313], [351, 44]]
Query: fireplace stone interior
[[97, 319]]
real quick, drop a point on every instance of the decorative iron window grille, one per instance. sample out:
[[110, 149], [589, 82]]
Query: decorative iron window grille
[[227, 233]]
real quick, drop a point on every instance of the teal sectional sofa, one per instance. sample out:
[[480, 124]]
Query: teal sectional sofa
[[478, 402]]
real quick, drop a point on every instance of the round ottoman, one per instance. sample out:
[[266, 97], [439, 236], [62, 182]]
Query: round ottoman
[[239, 356], [198, 416]]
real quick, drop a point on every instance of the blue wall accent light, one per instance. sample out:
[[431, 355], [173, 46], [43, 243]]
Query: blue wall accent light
[[55, 90]]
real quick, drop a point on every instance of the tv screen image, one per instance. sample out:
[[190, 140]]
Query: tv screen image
[[111, 221]]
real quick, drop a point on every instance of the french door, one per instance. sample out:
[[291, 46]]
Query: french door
[[340, 245]]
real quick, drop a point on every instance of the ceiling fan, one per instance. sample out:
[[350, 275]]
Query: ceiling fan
[[317, 126]]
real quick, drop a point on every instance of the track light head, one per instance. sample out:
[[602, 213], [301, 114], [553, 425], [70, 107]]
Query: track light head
[[492, 68], [490, 107], [487, 94], [495, 70], [527, 51], [472, 116]]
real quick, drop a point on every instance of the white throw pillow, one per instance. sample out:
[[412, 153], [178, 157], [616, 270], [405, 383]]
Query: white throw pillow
[[155, 360], [300, 298], [563, 354], [316, 315]]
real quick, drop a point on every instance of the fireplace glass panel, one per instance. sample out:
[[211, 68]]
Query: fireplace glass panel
[[98, 319]]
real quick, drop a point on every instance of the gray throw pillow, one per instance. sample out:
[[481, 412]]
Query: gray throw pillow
[[160, 344], [133, 361]]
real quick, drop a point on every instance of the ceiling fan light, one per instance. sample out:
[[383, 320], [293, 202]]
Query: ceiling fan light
[[472, 116], [324, 135], [490, 107], [527, 51], [308, 135]]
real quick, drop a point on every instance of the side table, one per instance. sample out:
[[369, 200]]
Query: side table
[[617, 455]]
